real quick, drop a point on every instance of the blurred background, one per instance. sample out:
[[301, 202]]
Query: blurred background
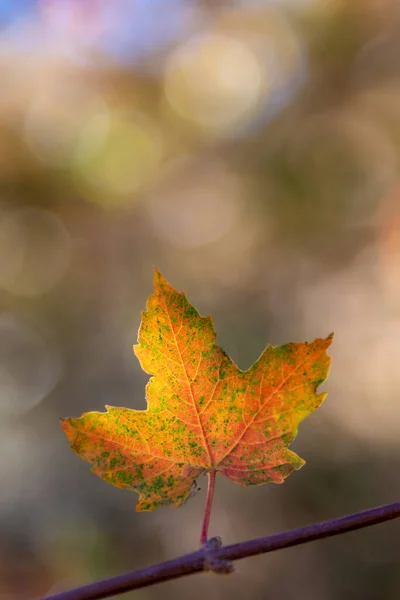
[[250, 150]]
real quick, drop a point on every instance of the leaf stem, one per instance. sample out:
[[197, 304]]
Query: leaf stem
[[207, 511]]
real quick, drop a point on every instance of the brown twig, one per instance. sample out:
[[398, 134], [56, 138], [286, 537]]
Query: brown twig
[[197, 561]]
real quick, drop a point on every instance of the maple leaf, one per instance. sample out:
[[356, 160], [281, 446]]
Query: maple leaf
[[204, 414]]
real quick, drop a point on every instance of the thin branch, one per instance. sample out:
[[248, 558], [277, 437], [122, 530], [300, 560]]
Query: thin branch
[[207, 510], [197, 561]]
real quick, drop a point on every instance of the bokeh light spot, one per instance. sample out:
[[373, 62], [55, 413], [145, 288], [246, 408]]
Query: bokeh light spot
[[122, 163], [195, 205], [214, 81], [26, 381], [35, 251], [59, 115]]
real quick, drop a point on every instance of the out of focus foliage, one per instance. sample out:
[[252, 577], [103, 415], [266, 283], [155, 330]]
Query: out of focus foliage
[[250, 150]]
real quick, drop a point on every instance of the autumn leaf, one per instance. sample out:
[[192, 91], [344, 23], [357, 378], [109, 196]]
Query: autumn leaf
[[204, 414]]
